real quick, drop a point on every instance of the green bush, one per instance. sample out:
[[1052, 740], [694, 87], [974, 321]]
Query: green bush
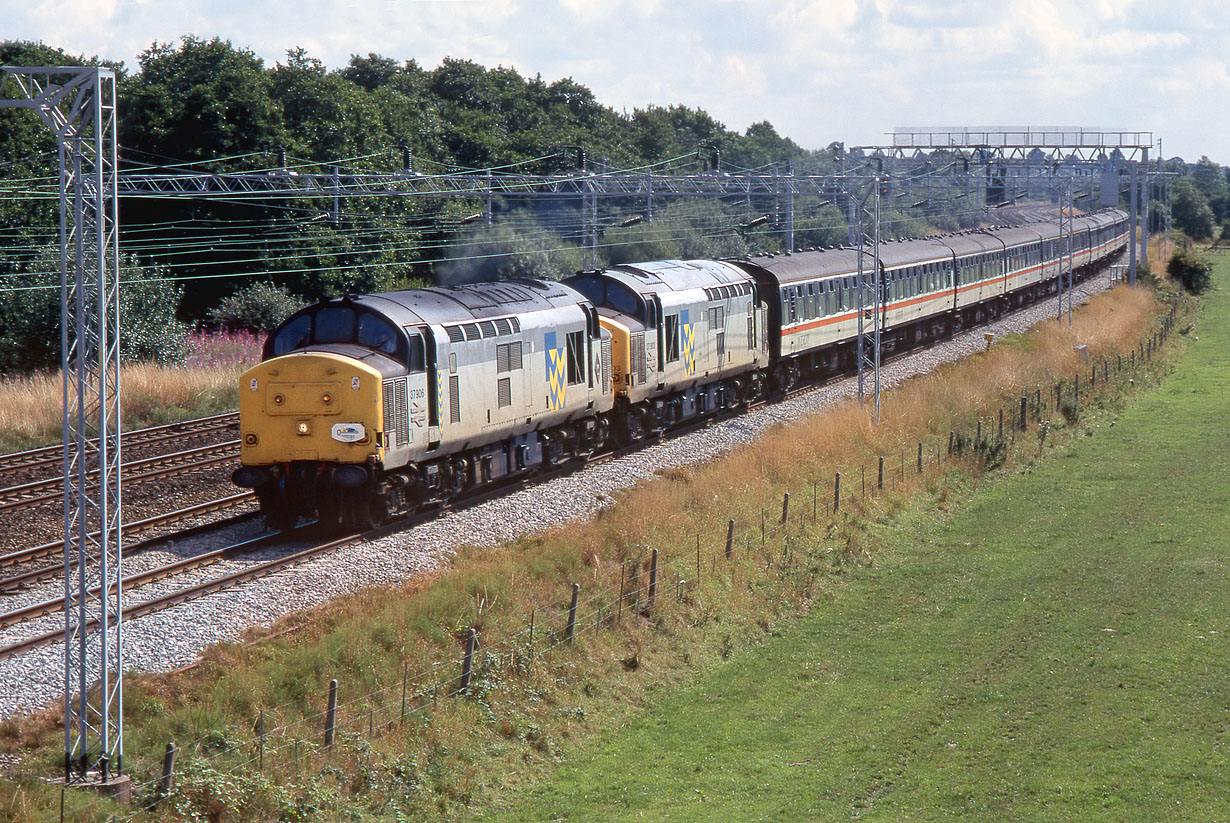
[[30, 315], [149, 328], [1191, 270], [259, 307]]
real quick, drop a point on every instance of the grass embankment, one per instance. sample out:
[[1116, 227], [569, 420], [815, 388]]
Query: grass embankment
[[405, 748], [1054, 651], [207, 383]]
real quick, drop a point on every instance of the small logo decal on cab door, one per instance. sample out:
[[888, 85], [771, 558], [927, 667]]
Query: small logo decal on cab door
[[348, 432]]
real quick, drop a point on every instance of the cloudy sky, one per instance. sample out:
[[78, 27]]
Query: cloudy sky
[[819, 70]]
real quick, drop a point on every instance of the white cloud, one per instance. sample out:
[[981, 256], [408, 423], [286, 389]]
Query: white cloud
[[820, 70]]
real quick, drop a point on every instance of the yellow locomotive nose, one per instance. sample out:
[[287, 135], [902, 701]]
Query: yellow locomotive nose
[[310, 406]]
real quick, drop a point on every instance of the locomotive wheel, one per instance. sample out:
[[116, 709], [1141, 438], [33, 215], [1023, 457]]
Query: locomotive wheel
[[364, 509], [631, 426], [458, 476], [328, 512], [377, 513], [278, 514], [602, 433]]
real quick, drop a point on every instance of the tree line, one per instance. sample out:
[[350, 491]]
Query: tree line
[[206, 103]]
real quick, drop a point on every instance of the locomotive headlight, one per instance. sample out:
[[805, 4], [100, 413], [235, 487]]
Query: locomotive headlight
[[326, 398], [251, 439], [278, 400], [302, 427]]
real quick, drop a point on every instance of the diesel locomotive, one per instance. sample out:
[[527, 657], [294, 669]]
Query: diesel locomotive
[[370, 405]]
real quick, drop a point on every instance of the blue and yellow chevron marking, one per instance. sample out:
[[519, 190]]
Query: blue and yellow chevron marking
[[557, 382], [689, 344], [439, 398]]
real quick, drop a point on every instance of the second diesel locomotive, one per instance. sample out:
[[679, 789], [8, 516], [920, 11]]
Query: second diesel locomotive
[[369, 405]]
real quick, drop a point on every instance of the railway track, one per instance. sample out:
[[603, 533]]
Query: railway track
[[38, 492], [18, 580], [32, 493], [322, 547], [50, 458]]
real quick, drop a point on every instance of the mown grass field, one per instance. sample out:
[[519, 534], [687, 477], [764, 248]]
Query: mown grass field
[[1054, 650]]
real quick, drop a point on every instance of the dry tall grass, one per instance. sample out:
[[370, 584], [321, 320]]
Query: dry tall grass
[[151, 394], [30, 406], [700, 499]]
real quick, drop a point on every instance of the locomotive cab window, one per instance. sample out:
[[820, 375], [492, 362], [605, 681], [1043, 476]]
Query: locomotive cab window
[[296, 333], [377, 333], [612, 295], [334, 324], [416, 359]]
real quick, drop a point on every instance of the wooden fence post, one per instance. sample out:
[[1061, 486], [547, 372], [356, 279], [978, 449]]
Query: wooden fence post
[[785, 507], [467, 661], [730, 538], [168, 773], [405, 679], [837, 493], [653, 581], [619, 617], [571, 629], [331, 715]]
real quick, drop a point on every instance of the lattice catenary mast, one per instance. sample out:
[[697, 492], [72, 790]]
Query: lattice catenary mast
[[79, 105]]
